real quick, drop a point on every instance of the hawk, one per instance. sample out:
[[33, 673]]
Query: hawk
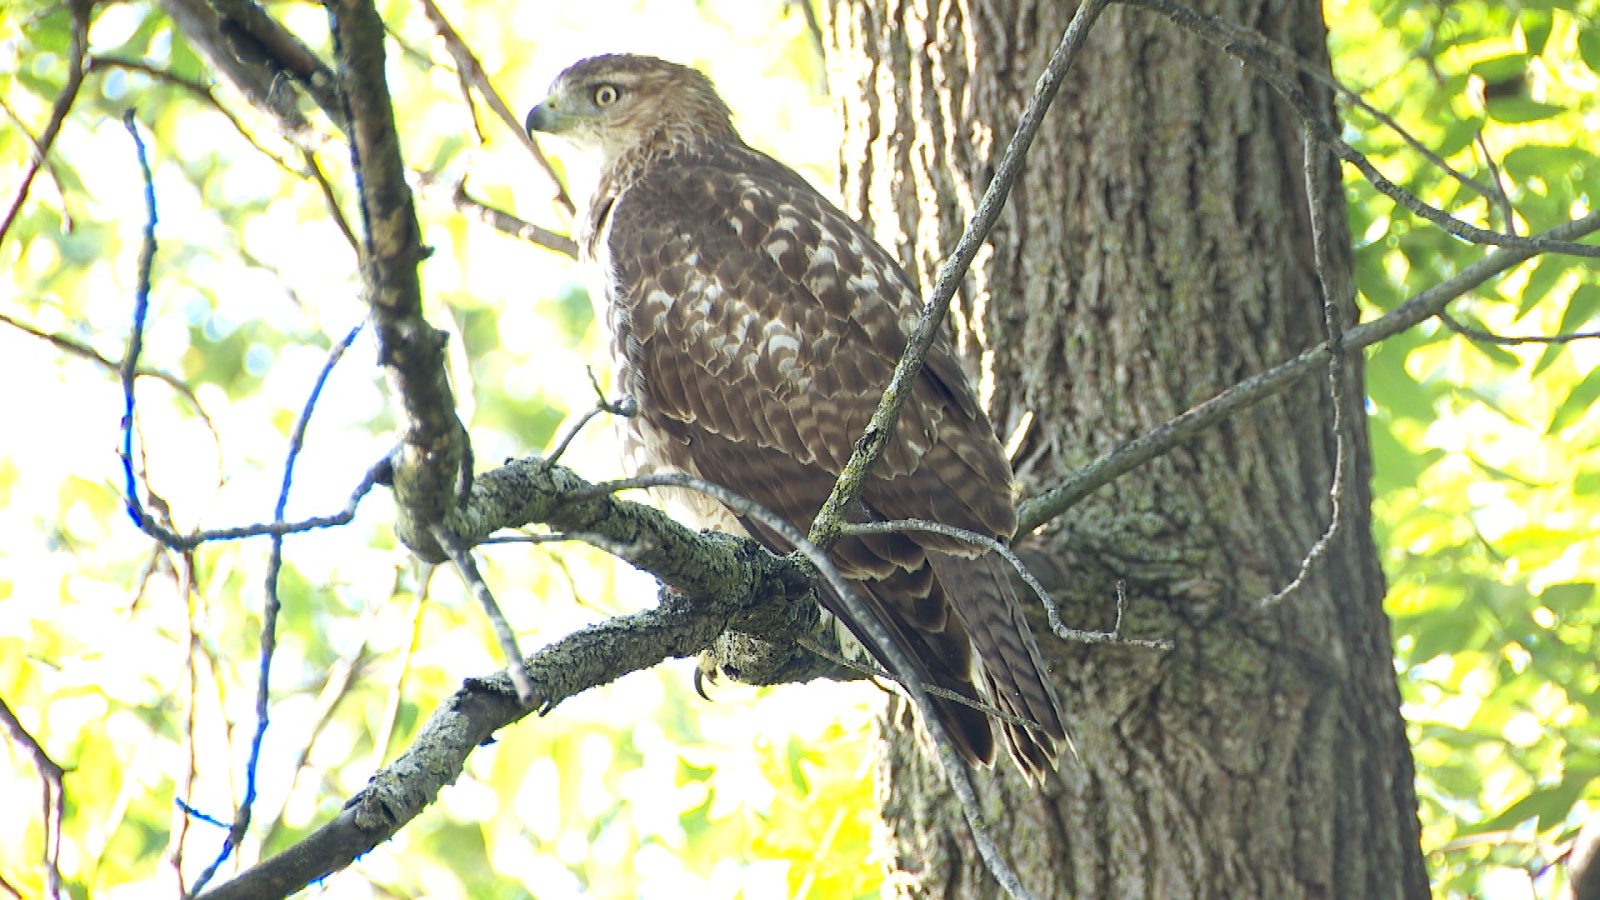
[[756, 325]]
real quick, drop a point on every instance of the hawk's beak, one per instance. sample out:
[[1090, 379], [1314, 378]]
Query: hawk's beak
[[544, 118]]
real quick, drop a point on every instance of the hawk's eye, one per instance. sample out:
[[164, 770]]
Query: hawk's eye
[[606, 94]]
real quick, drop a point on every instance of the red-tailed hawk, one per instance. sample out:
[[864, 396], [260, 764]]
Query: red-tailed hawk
[[756, 326]]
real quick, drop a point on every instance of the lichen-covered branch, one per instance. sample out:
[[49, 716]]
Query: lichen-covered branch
[[401, 790]]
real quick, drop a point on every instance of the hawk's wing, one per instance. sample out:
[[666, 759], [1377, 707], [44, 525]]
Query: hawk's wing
[[757, 326]]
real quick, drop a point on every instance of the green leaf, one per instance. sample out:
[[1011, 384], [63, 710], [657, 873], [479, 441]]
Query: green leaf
[[1573, 595], [1501, 69], [1544, 277], [1546, 161], [1589, 45], [1579, 401], [1497, 354], [1535, 24], [1581, 308], [1520, 109]]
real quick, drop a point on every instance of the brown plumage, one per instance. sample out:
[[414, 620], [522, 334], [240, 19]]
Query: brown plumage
[[756, 326]]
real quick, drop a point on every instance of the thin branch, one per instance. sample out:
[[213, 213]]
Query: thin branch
[[201, 92], [495, 218], [462, 557], [342, 677], [471, 72], [1500, 199], [130, 367], [1321, 76], [380, 473], [269, 614], [1316, 191], [49, 167], [433, 464], [331, 200], [53, 796], [1249, 49], [58, 110], [874, 674], [870, 447], [1489, 337], [1161, 439], [1051, 609], [141, 310], [625, 407], [184, 795], [84, 351]]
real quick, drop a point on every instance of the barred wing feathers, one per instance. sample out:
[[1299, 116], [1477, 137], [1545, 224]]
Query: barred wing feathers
[[756, 326]]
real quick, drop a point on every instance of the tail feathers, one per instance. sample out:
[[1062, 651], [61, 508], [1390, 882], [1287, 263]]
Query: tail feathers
[[1008, 660]]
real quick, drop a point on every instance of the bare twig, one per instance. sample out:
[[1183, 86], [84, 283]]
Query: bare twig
[[1316, 191], [1249, 49], [201, 92], [49, 167], [1478, 334], [593, 656], [76, 69], [1052, 610], [1499, 197], [341, 678], [141, 310], [471, 72], [496, 218], [623, 407], [269, 614], [870, 447], [129, 369], [462, 557], [1159, 440], [331, 200], [874, 674], [390, 718], [84, 351], [53, 797], [1320, 74]]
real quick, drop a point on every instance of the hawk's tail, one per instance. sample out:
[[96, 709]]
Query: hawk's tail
[[1008, 661]]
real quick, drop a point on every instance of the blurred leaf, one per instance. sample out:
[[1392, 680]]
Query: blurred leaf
[[1521, 109], [1582, 309], [1535, 25], [1579, 401], [1589, 44]]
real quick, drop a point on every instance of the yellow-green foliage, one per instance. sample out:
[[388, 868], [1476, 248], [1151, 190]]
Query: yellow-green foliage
[[136, 668]]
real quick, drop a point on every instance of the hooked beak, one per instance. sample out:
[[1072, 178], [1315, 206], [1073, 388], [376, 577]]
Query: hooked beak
[[546, 119]]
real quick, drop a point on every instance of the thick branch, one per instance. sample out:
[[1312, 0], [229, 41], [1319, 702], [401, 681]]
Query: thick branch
[[243, 45], [433, 451]]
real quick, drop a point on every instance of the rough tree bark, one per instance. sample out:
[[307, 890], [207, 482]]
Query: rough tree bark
[[1156, 250]]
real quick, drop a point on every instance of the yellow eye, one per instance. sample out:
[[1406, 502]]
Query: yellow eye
[[606, 94]]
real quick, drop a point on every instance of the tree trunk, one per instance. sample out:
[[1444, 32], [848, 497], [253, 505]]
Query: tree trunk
[[1155, 251]]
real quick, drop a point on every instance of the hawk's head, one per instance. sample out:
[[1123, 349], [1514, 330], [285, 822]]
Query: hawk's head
[[615, 103]]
